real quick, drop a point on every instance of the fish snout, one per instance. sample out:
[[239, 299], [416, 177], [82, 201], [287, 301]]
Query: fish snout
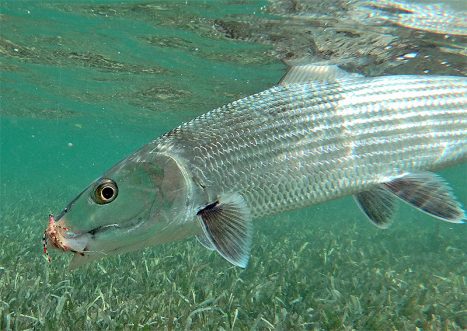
[[63, 238]]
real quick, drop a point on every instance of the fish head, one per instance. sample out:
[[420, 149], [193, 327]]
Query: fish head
[[135, 204]]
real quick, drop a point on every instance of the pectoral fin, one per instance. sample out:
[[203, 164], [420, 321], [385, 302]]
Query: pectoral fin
[[429, 193], [378, 204], [205, 242], [227, 228]]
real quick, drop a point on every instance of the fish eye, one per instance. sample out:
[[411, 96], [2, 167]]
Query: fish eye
[[105, 192]]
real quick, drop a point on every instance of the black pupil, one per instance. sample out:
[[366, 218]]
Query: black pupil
[[107, 192]]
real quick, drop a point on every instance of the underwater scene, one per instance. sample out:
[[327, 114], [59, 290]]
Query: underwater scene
[[83, 84]]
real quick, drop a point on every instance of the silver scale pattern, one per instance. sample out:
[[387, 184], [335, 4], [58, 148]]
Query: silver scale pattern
[[301, 144]]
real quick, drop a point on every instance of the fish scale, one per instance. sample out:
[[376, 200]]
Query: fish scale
[[320, 134], [307, 143]]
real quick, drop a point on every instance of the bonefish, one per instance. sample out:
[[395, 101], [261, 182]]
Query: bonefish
[[320, 134]]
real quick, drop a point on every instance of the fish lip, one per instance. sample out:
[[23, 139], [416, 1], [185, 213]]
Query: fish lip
[[71, 236], [90, 252], [76, 243], [103, 228], [80, 242]]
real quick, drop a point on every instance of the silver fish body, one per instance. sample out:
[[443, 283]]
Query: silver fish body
[[299, 143], [302, 144]]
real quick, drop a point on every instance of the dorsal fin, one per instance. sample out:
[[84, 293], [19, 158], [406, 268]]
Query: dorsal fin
[[315, 72]]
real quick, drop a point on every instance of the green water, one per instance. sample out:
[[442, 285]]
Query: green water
[[84, 83]]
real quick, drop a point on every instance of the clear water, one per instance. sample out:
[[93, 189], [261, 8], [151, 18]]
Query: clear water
[[84, 83]]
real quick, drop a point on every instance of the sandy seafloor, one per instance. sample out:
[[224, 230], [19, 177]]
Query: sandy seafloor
[[84, 83]]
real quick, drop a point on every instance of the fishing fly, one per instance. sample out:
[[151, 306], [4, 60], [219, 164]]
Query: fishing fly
[[53, 233]]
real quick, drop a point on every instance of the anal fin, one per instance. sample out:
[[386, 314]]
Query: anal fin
[[429, 193], [378, 204], [227, 227]]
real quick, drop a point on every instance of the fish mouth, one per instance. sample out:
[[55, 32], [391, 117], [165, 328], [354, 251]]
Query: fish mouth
[[87, 244], [95, 249], [78, 242], [82, 242], [66, 241]]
